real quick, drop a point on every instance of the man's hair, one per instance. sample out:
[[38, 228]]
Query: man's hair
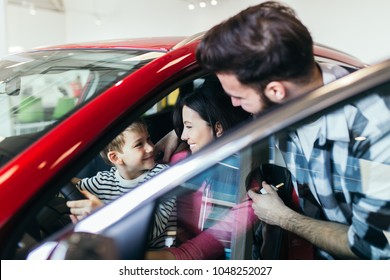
[[119, 141], [262, 43]]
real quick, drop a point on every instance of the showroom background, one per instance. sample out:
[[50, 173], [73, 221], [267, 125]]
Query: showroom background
[[358, 27]]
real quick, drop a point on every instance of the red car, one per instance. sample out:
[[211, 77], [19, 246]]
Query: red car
[[61, 105]]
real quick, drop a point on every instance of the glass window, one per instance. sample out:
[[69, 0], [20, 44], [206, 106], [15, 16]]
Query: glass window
[[38, 88], [345, 153]]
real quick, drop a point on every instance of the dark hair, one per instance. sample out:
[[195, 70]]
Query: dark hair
[[263, 43], [212, 104]]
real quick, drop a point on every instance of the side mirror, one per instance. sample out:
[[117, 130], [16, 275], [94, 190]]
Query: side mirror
[[86, 246]]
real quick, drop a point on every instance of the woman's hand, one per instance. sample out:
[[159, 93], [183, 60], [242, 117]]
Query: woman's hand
[[166, 146], [159, 255]]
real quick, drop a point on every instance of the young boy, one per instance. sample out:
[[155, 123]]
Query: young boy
[[131, 154]]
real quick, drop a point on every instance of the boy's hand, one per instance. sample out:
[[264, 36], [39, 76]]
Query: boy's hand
[[81, 208]]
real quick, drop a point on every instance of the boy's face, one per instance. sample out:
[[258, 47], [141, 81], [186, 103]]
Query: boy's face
[[137, 154]]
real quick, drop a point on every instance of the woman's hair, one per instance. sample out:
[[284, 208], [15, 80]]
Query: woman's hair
[[263, 43], [212, 104], [118, 142]]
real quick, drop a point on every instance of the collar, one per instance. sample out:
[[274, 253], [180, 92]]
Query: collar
[[129, 182], [334, 126]]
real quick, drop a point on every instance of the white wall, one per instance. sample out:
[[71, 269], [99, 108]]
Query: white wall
[[358, 27], [3, 29], [130, 18]]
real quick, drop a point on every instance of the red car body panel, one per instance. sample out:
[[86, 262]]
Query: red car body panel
[[158, 44], [33, 168]]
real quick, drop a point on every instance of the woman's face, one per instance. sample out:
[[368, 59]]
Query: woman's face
[[196, 132]]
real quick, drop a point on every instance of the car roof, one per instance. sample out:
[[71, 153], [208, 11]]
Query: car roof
[[168, 43], [323, 51], [151, 43]]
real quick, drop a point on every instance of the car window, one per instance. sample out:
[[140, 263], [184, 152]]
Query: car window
[[38, 88], [358, 166], [215, 199]]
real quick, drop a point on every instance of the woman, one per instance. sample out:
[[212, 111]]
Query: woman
[[199, 118]]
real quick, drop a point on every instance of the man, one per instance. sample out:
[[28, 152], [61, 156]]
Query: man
[[263, 56]]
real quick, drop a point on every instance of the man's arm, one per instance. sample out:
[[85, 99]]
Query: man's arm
[[329, 236]]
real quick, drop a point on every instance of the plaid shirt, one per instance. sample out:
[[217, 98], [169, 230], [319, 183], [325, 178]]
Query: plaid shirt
[[346, 175]]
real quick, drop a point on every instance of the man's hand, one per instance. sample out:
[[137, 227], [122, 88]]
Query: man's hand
[[332, 237], [269, 207], [81, 208]]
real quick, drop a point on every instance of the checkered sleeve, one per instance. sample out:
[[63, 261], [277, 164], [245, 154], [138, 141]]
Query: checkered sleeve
[[369, 234]]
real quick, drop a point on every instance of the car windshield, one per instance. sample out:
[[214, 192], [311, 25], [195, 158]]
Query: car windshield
[[38, 88]]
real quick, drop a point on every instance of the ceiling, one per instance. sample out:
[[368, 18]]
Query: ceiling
[[53, 5]]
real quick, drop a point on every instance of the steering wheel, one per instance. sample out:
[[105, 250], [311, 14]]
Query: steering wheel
[[55, 214], [51, 218], [70, 192]]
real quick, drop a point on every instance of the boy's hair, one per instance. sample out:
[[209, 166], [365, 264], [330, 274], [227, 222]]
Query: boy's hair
[[118, 142], [263, 43]]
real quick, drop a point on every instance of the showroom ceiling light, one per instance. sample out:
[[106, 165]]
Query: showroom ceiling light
[[202, 4], [32, 10], [98, 20], [52, 5], [30, 7]]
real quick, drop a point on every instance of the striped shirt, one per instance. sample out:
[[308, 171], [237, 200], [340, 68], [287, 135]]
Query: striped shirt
[[109, 185]]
